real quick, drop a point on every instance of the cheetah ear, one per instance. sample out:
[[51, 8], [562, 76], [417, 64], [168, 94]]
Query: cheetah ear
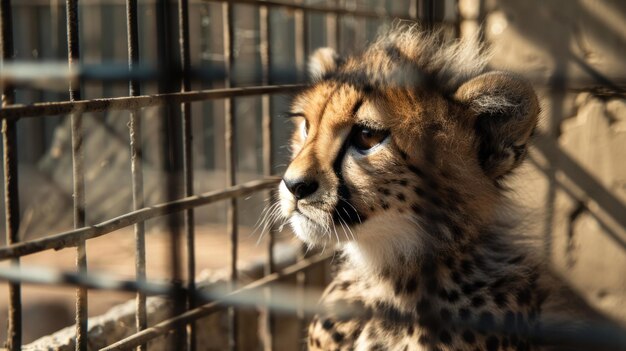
[[323, 63], [504, 112]]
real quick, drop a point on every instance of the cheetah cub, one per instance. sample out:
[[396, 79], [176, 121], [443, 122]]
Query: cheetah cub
[[399, 156]]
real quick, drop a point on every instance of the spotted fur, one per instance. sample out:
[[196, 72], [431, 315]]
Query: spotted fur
[[428, 265]]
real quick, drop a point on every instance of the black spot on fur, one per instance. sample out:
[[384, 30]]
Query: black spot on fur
[[327, 324], [385, 206], [492, 343], [505, 342], [411, 285], [384, 191], [478, 301], [453, 295], [465, 314], [468, 288], [500, 299], [418, 172], [337, 337], [456, 278], [388, 312], [401, 197], [431, 285], [469, 337], [419, 191], [467, 267], [522, 346], [445, 337], [417, 209], [423, 306], [523, 297], [445, 314]]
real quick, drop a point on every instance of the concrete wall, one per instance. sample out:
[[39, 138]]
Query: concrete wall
[[574, 186]]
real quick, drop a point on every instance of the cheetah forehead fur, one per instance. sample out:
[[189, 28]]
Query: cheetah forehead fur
[[399, 159]]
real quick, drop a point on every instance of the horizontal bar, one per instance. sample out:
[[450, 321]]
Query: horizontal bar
[[310, 8], [73, 237], [137, 102], [320, 9], [224, 301], [595, 333]]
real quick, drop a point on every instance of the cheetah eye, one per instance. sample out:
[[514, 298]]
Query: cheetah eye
[[364, 138]]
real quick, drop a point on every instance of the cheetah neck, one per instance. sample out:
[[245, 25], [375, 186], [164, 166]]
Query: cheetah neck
[[477, 264]]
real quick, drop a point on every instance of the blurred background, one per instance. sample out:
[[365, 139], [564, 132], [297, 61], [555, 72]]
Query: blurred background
[[572, 189]]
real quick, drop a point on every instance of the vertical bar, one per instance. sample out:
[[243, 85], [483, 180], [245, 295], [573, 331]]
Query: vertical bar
[[414, 9], [11, 195], [427, 11], [231, 159], [301, 53], [141, 321], [267, 319], [338, 27], [73, 57], [169, 81], [301, 42], [183, 38], [332, 29]]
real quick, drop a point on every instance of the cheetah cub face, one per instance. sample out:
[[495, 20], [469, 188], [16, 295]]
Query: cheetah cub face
[[398, 149]]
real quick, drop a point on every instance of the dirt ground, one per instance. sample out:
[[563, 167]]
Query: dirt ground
[[47, 309]]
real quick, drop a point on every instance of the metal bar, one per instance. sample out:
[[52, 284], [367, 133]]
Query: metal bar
[[73, 56], [266, 318], [71, 238], [339, 29], [301, 42], [319, 9], [132, 103], [231, 163], [141, 319], [202, 311], [11, 191], [414, 9], [301, 54], [332, 30], [183, 38]]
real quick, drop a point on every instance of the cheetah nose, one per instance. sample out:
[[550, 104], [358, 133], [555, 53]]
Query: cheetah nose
[[301, 187]]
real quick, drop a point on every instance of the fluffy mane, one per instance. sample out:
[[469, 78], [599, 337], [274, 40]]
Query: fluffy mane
[[406, 56]]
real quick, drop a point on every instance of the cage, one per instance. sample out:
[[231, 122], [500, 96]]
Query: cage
[[143, 138]]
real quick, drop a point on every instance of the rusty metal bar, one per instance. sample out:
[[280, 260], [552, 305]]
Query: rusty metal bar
[[11, 191], [187, 138], [414, 9], [337, 10], [132, 103], [73, 57], [168, 63], [338, 29], [301, 54], [231, 163], [73, 237], [266, 318], [331, 30], [205, 310], [136, 154]]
